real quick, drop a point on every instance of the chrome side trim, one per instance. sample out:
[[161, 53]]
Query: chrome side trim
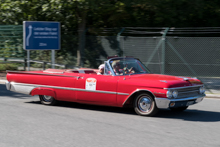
[[27, 88], [137, 90], [39, 73], [185, 87], [119, 93], [54, 72], [164, 102]]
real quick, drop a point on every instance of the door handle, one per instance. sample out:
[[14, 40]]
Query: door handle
[[78, 77]]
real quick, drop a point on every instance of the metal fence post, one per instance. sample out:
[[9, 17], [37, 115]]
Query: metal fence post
[[162, 41], [25, 64], [28, 59], [53, 58], [164, 49], [118, 39], [44, 65]]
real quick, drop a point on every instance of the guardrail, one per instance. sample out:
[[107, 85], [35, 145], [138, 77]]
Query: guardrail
[[44, 63], [24, 61]]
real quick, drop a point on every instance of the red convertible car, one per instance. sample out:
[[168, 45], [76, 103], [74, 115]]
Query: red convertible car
[[125, 82]]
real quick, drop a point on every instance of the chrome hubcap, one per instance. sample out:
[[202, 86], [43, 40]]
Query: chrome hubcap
[[47, 98], [144, 104]]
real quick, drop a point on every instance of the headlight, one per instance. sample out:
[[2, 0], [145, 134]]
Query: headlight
[[169, 94], [175, 94], [202, 90]]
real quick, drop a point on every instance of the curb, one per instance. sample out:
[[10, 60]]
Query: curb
[[2, 81], [212, 95]]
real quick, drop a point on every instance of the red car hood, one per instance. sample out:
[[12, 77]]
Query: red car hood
[[166, 80]]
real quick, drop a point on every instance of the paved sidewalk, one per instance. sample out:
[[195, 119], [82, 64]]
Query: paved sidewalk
[[208, 95], [213, 95], [2, 81]]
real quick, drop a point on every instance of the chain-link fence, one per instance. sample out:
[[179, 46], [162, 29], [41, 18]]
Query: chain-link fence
[[182, 56], [193, 56], [11, 41], [11, 49]]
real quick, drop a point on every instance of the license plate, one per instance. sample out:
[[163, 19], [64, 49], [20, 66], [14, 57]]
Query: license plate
[[189, 103]]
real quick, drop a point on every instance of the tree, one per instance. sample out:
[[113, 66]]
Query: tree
[[80, 18]]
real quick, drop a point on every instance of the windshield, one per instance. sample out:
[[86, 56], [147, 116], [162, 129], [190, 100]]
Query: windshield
[[127, 66]]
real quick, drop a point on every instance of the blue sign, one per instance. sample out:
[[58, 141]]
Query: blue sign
[[41, 35]]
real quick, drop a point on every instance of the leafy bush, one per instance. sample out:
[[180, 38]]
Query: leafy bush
[[8, 66]]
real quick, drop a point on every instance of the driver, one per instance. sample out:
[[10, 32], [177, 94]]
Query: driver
[[128, 71], [116, 68]]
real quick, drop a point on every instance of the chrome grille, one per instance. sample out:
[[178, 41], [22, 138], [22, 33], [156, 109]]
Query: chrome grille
[[185, 92]]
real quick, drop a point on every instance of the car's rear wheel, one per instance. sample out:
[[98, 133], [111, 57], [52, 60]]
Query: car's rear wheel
[[145, 105], [47, 100], [179, 108]]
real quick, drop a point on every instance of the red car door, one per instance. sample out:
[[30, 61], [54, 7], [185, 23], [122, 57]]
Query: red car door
[[65, 90], [96, 89]]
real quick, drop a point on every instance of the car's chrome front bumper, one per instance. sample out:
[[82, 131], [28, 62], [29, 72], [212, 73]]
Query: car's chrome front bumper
[[170, 103]]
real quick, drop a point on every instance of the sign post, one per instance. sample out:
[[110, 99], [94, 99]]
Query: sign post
[[41, 35]]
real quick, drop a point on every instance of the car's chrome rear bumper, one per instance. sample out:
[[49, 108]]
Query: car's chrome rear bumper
[[7, 85], [18, 87], [166, 103]]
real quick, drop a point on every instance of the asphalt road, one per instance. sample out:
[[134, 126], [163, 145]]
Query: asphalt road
[[24, 122]]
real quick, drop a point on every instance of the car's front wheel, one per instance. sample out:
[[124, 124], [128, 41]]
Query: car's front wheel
[[145, 105], [47, 100]]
